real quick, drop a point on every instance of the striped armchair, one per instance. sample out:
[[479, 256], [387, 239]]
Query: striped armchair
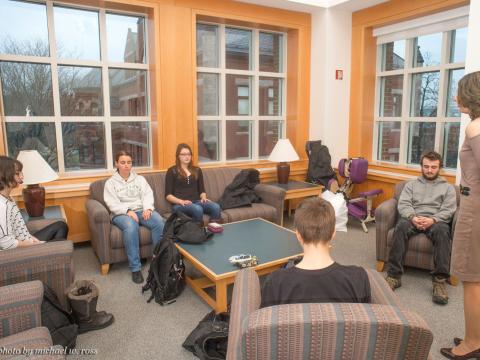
[[20, 316], [380, 330], [52, 263]]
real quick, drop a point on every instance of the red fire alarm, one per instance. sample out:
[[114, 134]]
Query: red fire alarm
[[338, 74]]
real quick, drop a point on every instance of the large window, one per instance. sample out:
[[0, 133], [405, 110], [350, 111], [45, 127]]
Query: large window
[[240, 92], [415, 108], [74, 84]]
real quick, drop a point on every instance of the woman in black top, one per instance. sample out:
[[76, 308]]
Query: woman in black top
[[185, 190]]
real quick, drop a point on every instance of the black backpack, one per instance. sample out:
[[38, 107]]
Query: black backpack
[[320, 170], [59, 322], [209, 340], [181, 227], [166, 276]]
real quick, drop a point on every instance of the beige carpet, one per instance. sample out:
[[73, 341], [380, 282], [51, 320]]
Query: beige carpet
[[146, 331]]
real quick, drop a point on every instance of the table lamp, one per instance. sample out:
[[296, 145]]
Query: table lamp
[[282, 153], [35, 171]]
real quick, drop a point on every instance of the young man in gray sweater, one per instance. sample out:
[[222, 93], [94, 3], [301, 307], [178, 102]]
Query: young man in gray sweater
[[426, 205]]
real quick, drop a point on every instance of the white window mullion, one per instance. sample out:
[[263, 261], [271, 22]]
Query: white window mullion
[[105, 89], [255, 94], [222, 94], [55, 88]]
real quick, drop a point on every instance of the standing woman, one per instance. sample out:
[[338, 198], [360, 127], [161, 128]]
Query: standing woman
[[13, 231], [466, 240], [130, 200], [184, 188]]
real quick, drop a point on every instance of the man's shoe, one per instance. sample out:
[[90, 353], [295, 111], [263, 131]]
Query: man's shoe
[[439, 291], [394, 283], [137, 277]]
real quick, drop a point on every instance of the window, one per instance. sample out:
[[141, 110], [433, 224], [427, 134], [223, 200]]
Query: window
[[74, 84], [415, 109], [240, 92]]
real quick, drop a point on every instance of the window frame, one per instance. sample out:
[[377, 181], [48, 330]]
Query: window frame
[[408, 73], [255, 75], [104, 64]]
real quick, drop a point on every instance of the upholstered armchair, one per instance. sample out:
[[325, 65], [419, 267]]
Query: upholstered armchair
[[420, 249], [20, 316], [52, 263], [324, 330]]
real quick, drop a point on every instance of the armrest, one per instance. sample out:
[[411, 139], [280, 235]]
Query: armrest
[[21, 307], [51, 263], [380, 291], [385, 218], [274, 196], [246, 299], [99, 222], [370, 193], [365, 331]]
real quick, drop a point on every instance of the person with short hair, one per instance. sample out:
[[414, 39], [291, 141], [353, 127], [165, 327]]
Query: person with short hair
[[130, 199], [317, 278], [426, 205], [185, 190], [13, 230], [466, 240]]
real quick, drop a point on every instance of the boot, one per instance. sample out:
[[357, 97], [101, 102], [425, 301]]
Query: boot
[[83, 297]]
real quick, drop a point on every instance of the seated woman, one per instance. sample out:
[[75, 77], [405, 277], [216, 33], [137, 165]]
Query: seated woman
[[130, 199], [317, 278], [13, 231], [184, 188]]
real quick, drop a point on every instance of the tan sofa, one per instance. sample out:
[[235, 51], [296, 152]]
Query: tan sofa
[[107, 238]]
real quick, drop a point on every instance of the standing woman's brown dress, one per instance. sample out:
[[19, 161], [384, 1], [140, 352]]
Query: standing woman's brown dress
[[466, 240]]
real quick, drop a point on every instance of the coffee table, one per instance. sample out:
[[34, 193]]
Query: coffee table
[[272, 244]]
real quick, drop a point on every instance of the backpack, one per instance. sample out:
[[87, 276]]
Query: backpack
[[166, 276], [320, 170], [59, 322], [180, 227], [209, 340]]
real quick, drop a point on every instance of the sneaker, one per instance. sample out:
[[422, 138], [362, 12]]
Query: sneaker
[[137, 277], [394, 283], [439, 291]]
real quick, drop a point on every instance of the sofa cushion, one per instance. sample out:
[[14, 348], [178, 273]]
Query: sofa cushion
[[36, 338], [157, 183], [264, 211], [417, 243], [116, 237], [216, 180]]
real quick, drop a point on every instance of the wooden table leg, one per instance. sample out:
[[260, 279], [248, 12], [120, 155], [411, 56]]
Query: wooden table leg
[[221, 296]]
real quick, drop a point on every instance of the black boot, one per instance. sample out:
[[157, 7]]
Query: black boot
[[83, 297]]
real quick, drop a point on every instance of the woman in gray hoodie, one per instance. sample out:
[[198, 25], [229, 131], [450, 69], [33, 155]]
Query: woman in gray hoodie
[[130, 199]]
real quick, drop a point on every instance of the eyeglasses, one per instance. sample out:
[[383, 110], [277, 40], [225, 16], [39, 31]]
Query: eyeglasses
[[185, 154]]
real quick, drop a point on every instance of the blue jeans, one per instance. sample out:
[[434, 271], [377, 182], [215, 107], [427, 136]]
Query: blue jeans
[[196, 209], [130, 231]]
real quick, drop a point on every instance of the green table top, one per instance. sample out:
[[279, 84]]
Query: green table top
[[267, 241], [50, 212]]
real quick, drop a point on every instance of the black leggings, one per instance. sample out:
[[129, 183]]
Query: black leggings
[[53, 232]]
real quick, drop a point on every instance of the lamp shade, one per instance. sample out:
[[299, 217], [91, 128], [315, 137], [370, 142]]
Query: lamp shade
[[283, 152], [35, 169]]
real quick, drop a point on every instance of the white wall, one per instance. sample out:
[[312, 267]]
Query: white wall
[[472, 60], [329, 98]]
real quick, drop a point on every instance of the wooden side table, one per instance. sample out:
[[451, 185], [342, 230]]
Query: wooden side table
[[298, 190]]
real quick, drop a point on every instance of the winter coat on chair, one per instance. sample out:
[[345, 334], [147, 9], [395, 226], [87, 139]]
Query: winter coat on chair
[[240, 192]]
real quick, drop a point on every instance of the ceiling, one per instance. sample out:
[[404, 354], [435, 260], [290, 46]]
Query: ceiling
[[313, 5]]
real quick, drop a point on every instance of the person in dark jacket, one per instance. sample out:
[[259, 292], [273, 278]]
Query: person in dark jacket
[[185, 190], [240, 192]]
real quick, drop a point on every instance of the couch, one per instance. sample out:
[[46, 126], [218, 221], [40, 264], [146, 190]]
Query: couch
[[383, 329], [107, 238], [420, 249], [51, 263], [20, 316]]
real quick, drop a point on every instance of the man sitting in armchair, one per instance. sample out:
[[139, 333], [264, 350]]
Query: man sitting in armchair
[[426, 205]]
